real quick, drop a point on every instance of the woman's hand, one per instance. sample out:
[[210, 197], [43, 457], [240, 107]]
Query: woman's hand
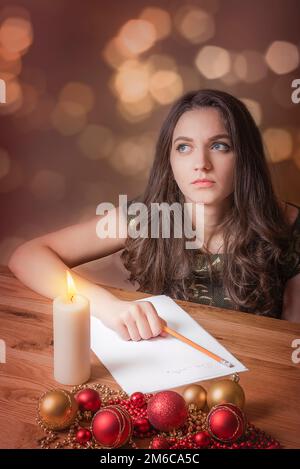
[[134, 320]]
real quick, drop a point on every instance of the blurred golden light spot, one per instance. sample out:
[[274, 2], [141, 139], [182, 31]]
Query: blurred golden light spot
[[68, 118], [7, 247], [213, 62], [16, 34], [165, 86], [114, 54], [282, 57], [78, 93], [160, 19], [131, 81], [14, 98], [7, 55], [13, 178], [129, 157], [137, 111], [137, 36], [4, 163], [195, 24], [10, 69], [250, 66], [254, 108], [48, 185], [279, 144], [96, 141]]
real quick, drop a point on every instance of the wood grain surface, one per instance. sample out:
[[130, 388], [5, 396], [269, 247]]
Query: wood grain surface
[[272, 384]]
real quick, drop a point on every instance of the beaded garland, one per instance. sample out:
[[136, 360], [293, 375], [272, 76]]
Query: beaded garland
[[182, 438]]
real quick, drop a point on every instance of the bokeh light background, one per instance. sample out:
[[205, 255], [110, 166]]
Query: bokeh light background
[[89, 83]]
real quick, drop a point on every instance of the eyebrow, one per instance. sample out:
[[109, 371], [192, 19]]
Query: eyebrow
[[188, 139]]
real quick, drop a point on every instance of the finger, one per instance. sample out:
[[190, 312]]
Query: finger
[[154, 320], [143, 325], [122, 331], [132, 329]]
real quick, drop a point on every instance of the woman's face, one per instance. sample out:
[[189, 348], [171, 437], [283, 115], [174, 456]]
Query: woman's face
[[201, 149]]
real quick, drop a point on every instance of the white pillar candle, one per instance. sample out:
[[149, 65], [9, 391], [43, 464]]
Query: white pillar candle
[[71, 336]]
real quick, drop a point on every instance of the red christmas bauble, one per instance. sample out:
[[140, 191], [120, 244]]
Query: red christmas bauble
[[112, 426], [88, 399], [167, 410], [138, 399], [159, 442], [226, 422], [83, 435], [202, 439], [141, 425]]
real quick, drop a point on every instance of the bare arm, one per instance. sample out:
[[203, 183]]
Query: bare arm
[[291, 300], [41, 264]]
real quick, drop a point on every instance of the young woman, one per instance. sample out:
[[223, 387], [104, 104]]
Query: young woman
[[250, 256]]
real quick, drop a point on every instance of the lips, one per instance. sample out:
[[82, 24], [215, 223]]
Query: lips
[[202, 180]]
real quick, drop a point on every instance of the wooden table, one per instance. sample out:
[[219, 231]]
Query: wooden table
[[272, 384]]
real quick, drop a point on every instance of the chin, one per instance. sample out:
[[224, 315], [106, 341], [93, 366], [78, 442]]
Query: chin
[[202, 198]]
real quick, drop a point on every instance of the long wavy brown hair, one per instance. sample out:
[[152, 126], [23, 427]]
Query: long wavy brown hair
[[255, 232]]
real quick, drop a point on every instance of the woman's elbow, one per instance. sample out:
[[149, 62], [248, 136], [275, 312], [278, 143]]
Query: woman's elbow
[[17, 258]]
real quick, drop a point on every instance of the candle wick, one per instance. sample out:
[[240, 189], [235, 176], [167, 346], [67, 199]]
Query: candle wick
[[72, 296]]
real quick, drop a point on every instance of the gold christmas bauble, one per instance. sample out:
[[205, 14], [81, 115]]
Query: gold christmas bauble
[[57, 409], [226, 391], [195, 394]]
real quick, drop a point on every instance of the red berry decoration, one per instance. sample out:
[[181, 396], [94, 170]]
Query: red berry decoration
[[141, 425], [83, 435], [202, 439], [226, 422], [138, 399], [167, 410], [159, 442], [112, 426], [88, 399]]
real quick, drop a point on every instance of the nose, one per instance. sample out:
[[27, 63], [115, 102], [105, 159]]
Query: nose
[[202, 160]]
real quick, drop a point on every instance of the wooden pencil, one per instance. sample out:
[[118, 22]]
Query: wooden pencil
[[197, 346]]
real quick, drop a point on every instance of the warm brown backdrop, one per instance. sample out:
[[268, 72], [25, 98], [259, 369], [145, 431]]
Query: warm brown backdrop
[[84, 108]]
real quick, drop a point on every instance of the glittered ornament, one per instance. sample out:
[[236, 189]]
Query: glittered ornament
[[83, 435], [141, 425], [195, 394], [88, 400], [167, 410], [112, 426], [159, 442], [138, 399], [226, 422], [57, 409], [202, 439], [225, 391]]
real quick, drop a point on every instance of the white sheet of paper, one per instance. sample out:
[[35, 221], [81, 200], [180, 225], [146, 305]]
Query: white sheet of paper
[[161, 363]]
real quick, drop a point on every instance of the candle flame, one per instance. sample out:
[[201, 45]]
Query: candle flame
[[71, 289]]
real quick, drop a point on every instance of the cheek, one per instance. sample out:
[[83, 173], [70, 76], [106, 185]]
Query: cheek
[[179, 169], [224, 170]]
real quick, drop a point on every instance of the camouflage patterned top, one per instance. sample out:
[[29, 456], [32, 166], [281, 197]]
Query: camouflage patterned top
[[204, 291]]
